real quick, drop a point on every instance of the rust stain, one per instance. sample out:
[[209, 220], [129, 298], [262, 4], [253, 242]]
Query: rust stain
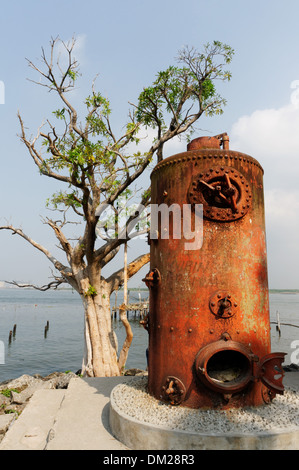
[[209, 324]]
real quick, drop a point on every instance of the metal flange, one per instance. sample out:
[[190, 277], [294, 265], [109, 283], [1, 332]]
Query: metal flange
[[173, 391], [223, 304], [223, 191]]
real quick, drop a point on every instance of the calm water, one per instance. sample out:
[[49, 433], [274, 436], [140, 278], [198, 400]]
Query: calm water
[[62, 349]]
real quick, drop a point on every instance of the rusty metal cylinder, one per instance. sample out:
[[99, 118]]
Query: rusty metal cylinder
[[209, 324]]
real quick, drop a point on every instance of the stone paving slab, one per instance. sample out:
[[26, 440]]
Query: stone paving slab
[[82, 422], [6, 421], [30, 431]]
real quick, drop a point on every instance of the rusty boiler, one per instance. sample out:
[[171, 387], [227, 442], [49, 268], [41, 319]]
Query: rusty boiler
[[209, 322]]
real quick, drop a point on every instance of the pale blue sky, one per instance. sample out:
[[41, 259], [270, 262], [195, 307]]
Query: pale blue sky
[[127, 42]]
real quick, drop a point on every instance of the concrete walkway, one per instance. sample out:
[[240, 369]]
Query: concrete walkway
[[73, 419], [76, 418]]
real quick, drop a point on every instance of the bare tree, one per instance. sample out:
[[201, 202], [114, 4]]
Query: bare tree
[[98, 167]]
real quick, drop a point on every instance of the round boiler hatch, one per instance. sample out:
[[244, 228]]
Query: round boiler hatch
[[224, 366]]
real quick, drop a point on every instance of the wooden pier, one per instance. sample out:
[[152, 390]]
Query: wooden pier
[[138, 309], [278, 324]]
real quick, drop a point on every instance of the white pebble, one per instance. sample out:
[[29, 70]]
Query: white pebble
[[132, 399]]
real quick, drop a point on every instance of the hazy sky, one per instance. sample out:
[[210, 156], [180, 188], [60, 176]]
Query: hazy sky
[[126, 43]]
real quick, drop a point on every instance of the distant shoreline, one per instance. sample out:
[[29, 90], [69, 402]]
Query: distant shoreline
[[284, 291]]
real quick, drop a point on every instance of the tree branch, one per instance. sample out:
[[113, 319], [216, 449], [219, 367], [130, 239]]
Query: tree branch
[[66, 272], [102, 253], [52, 285], [62, 239], [37, 158], [117, 279], [128, 340]]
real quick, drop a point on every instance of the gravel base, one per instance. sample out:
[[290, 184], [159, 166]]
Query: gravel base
[[133, 401]]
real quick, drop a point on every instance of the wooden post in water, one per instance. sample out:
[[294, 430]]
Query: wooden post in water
[[278, 323], [14, 330], [46, 329], [9, 337]]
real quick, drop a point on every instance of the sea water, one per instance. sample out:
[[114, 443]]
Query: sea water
[[61, 348]]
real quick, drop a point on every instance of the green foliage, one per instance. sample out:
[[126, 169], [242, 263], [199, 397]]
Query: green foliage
[[195, 82], [6, 392], [146, 194], [73, 74], [8, 412], [59, 113], [99, 166], [65, 198], [91, 292]]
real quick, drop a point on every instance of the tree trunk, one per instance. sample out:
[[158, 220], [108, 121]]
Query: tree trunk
[[100, 340], [101, 348]]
